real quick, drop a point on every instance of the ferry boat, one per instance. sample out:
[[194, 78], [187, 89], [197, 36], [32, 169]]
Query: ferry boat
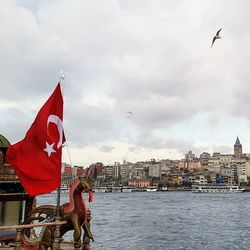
[[216, 188]]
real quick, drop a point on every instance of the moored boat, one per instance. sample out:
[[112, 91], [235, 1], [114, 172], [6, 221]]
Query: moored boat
[[63, 190], [116, 189], [100, 190], [15, 202], [216, 188], [27, 169], [128, 189], [164, 189], [152, 189]]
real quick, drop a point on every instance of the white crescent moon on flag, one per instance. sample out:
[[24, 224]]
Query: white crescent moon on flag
[[56, 120]]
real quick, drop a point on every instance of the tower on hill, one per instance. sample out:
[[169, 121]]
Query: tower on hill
[[237, 148]]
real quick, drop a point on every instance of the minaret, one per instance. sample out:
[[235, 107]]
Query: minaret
[[237, 148]]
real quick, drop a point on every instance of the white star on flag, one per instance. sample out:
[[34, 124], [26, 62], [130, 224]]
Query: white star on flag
[[49, 149]]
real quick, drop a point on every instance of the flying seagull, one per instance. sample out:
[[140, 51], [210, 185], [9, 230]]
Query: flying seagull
[[129, 113], [217, 36]]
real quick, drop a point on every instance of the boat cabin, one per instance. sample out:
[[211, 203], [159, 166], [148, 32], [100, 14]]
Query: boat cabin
[[15, 203]]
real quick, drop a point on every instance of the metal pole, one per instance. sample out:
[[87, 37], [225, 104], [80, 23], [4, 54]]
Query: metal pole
[[58, 202], [57, 236], [59, 188]]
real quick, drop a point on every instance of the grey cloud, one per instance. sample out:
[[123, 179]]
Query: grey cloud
[[151, 58], [106, 148]]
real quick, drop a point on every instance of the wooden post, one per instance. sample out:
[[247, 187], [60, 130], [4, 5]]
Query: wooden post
[[18, 245], [57, 236]]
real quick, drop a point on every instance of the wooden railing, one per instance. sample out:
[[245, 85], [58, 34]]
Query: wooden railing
[[18, 228]]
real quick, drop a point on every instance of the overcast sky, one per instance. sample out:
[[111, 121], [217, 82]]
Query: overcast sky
[[152, 58]]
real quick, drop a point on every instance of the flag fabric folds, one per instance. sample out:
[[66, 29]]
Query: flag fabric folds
[[37, 158]]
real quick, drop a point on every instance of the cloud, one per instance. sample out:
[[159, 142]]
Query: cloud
[[106, 148], [153, 58]]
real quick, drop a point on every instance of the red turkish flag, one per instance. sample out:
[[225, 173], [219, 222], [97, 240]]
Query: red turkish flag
[[37, 158]]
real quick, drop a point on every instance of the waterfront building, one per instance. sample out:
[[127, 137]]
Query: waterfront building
[[74, 171], [227, 170], [65, 165], [230, 171], [200, 179], [116, 170], [124, 172], [166, 163], [154, 170], [216, 155], [192, 179], [214, 164], [205, 156], [165, 168], [189, 164], [97, 170], [228, 180], [242, 178], [225, 159], [182, 164], [68, 171], [213, 178], [67, 176], [176, 180], [109, 172], [241, 172], [141, 183], [66, 182], [139, 171], [172, 180], [247, 165], [241, 168], [194, 164], [78, 171]]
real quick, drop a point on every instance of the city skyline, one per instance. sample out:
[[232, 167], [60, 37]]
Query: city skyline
[[151, 58]]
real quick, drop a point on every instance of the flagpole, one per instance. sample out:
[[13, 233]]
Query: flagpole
[[57, 236], [59, 188]]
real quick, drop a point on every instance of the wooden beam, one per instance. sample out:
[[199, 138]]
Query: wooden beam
[[33, 225]]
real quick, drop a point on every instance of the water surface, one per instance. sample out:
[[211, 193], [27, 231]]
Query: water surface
[[167, 220]]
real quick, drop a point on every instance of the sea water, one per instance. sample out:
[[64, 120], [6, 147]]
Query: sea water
[[167, 220]]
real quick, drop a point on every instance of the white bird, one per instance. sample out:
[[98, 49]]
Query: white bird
[[217, 36]]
